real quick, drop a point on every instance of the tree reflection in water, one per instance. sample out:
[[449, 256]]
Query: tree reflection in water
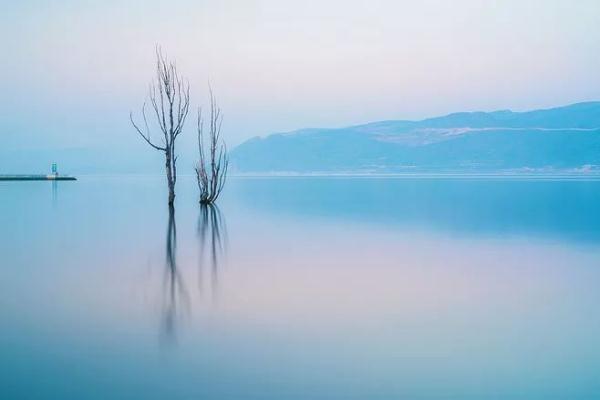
[[212, 234], [175, 293]]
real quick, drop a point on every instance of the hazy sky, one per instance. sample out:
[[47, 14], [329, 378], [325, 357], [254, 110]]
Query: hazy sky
[[71, 70]]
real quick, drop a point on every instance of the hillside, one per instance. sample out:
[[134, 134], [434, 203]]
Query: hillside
[[565, 139]]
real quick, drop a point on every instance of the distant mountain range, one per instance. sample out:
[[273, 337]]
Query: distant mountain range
[[563, 139]]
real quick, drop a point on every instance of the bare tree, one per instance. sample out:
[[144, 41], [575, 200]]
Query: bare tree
[[211, 172], [170, 99]]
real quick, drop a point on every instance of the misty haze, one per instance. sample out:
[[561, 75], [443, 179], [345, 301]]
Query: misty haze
[[300, 199]]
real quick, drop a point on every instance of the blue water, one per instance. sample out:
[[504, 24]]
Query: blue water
[[300, 288]]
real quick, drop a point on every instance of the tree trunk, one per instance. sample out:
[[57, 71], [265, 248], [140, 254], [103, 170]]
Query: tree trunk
[[170, 180]]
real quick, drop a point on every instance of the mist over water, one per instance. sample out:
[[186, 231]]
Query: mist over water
[[300, 288], [311, 283]]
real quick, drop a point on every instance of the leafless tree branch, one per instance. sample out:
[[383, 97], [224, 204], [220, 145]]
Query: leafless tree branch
[[169, 96], [211, 173]]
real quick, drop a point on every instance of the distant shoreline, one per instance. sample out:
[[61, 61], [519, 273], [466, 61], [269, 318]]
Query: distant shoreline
[[426, 175], [591, 176], [556, 175]]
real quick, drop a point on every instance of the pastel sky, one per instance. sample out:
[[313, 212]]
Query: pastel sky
[[71, 70]]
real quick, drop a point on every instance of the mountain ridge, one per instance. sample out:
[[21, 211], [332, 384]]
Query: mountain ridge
[[559, 138]]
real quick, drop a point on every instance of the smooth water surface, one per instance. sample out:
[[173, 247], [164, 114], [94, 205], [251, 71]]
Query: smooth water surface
[[300, 288]]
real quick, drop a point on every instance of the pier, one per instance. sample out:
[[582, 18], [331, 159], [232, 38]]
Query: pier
[[54, 176], [37, 178]]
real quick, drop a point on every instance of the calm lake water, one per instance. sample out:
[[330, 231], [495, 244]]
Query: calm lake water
[[301, 288]]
